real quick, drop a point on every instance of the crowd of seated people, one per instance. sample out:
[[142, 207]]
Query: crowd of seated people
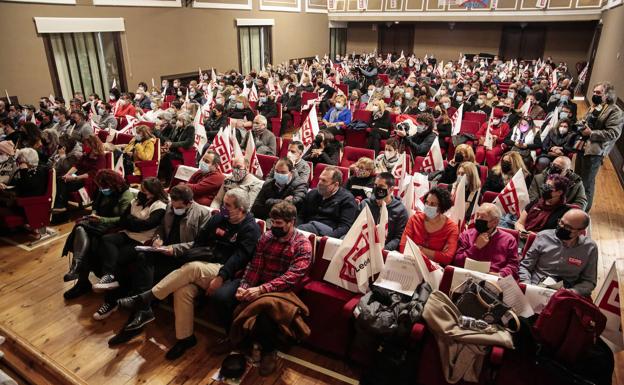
[[202, 231]]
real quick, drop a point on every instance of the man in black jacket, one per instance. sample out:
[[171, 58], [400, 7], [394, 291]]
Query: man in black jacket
[[285, 184], [329, 209], [291, 102], [221, 249]]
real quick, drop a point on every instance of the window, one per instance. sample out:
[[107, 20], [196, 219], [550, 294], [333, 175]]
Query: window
[[337, 41], [255, 49], [86, 62]]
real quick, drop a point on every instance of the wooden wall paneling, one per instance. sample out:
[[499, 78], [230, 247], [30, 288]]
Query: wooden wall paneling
[[559, 4], [414, 5]]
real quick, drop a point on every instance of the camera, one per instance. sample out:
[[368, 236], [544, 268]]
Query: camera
[[403, 126]]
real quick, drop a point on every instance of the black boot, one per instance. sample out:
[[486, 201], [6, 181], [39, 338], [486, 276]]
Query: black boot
[[81, 287], [78, 264], [181, 347]]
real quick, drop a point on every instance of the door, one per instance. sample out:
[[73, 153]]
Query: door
[[522, 42], [395, 38]]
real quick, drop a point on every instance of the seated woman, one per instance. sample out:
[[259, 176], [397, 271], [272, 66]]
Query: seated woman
[[380, 125], [140, 148], [362, 178], [338, 117], [206, 182], [49, 145], [354, 101], [243, 114], [398, 104], [432, 231], [545, 212], [138, 224], [7, 161], [500, 174], [107, 119], [443, 125], [111, 201], [80, 175], [125, 106], [473, 185], [525, 138], [67, 155], [216, 121], [29, 180], [463, 153], [386, 161], [324, 149], [559, 141], [421, 141], [499, 131], [422, 107], [171, 139]]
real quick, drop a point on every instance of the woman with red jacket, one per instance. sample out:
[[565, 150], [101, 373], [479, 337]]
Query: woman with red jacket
[[499, 131]]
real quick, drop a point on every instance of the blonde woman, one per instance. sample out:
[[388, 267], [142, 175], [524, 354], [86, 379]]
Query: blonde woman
[[380, 125], [463, 153], [362, 178], [141, 147], [502, 173], [338, 117], [473, 185]]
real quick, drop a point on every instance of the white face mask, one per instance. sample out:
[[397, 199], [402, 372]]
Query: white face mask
[[446, 105], [389, 154], [293, 157], [563, 130], [430, 211], [339, 106], [375, 108]]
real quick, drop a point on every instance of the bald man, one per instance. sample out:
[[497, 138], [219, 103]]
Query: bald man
[[562, 165], [564, 255], [484, 242]]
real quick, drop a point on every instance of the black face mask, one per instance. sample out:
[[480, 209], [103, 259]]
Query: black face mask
[[596, 99], [436, 114], [554, 170], [459, 158], [481, 226], [380, 192], [142, 198], [506, 109], [318, 139], [278, 232], [546, 192], [505, 167], [563, 234]]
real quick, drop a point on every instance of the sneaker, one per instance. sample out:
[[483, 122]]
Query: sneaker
[[79, 289], [180, 348], [105, 310], [141, 318], [124, 336], [108, 282], [268, 364]]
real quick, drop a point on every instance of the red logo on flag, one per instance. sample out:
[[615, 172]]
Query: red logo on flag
[[508, 198], [351, 266]]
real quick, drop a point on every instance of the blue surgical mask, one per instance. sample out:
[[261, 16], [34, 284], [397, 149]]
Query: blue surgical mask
[[563, 115], [106, 191], [281, 179], [564, 98], [138, 138], [430, 211], [203, 166], [239, 106], [263, 99]]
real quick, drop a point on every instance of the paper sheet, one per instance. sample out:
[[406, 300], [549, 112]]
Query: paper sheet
[[480, 266], [400, 274], [513, 296], [185, 172]]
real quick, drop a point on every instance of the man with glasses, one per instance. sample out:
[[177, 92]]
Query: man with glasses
[[564, 254]]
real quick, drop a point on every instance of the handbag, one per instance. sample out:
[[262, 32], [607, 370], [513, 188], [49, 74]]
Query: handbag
[[483, 300]]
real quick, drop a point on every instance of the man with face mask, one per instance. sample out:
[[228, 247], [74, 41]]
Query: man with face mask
[[485, 243], [240, 178], [218, 251], [207, 181], [295, 155], [328, 209], [563, 254], [284, 184], [603, 127], [264, 139], [106, 120], [560, 100], [562, 165], [397, 213], [480, 104], [82, 129], [291, 105], [173, 137]]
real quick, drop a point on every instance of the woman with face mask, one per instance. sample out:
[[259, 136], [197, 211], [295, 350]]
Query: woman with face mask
[[111, 200], [29, 179], [243, 114], [140, 148], [525, 138], [499, 130], [388, 158], [431, 230], [172, 140], [338, 117], [125, 106], [443, 125], [560, 140], [463, 153], [502, 173], [421, 141], [360, 182], [325, 149], [379, 126]]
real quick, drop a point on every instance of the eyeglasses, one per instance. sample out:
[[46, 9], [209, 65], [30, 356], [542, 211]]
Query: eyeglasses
[[568, 227]]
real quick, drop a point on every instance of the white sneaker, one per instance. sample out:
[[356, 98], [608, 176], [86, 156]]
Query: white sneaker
[[108, 282], [105, 311]]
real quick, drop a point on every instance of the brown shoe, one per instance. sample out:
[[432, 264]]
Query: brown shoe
[[223, 346], [268, 364]]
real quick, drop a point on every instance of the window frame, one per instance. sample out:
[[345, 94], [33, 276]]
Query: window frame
[[266, 37]]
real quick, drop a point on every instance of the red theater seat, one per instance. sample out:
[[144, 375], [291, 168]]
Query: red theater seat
[[36, 210], [318, 169], [352, 154], [266, 163], [148, 168]]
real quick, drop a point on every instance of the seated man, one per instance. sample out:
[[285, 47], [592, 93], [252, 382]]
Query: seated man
[[263, 138], [282, 259], [564, 255], [485, 242], [183, 220], [562, 165], [295, 154], [222, 248], [284, 185], [206, 182], [240, 178], [328, 209], [397, 213]]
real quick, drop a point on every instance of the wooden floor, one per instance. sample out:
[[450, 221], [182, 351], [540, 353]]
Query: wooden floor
[[32, 307]]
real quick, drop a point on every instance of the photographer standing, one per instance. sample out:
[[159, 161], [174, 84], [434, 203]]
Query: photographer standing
[[603, 126]]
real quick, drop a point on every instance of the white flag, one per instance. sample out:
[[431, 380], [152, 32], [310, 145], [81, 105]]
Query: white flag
[[552, 122], [246, 90], [250, 155], [213, 76], [456, 119], [458, 211], [515, 196], [608, 301], [129, 128], [359, 256], [382, 226], [411, 190], [309, 129], [475, 206], [433, 161], [119, 168], [221, 145], [200, 131], [524, 110], [430, 271], [253, 93], [488, 142], [400, 168]]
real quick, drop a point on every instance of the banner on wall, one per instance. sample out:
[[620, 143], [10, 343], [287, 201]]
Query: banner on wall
[[362, 5], [541, 4]]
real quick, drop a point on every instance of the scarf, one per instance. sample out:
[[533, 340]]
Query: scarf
[[538, 215]]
